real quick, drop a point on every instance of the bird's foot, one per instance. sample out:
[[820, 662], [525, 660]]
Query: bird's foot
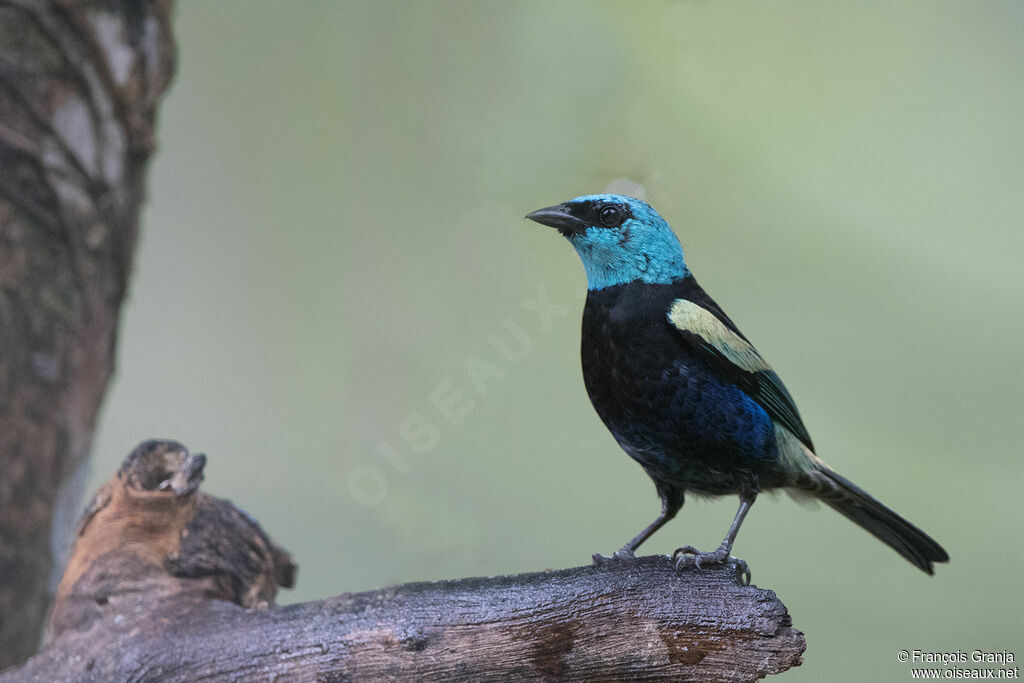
[[621, 554], [688, 556]]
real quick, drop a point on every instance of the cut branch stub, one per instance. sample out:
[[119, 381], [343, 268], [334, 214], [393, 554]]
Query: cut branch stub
[[150, 528]]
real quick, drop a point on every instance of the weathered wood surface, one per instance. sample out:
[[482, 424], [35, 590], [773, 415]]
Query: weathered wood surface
[[79, 88], [167, 583]]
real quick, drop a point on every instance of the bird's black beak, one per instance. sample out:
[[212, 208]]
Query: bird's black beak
[[558, 217]]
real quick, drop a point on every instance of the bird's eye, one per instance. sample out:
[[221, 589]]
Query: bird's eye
[[611, 216]]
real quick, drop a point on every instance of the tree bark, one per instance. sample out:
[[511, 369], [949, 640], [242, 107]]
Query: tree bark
[[167, 583], [79, 87]]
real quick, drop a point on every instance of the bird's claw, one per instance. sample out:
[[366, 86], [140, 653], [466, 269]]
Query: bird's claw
[[621, 554], [688, 556], [682, 559]]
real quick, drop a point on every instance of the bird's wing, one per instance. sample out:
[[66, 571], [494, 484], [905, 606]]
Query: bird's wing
[[705, 331]]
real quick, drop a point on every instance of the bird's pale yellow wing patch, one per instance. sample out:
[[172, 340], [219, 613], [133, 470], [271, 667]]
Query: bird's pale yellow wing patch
[[689, 317]]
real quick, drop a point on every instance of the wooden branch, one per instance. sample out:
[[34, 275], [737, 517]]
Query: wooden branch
[[168, 583], [79, 87]]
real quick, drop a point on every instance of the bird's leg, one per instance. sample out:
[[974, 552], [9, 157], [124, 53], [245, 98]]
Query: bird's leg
[[688, 556], [671, 501], [626, 551]]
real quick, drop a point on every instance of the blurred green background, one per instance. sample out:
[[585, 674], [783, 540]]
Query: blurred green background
[[335, 226]]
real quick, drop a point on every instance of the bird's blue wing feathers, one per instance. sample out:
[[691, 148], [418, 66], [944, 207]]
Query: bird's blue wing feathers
[[771, 393], [715, 337]]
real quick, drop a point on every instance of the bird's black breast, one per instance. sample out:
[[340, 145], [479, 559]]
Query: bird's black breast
[[680, 418]]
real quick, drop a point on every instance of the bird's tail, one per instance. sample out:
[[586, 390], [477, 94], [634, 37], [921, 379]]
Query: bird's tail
[[853, 502]]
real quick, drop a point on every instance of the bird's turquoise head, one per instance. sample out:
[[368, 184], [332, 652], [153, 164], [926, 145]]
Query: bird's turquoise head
[[620, 239]]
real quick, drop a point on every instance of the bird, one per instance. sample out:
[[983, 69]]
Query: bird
[[685, 393]]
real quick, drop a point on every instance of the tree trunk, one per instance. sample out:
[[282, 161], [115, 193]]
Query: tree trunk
[[79, 85], [167, 583]]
